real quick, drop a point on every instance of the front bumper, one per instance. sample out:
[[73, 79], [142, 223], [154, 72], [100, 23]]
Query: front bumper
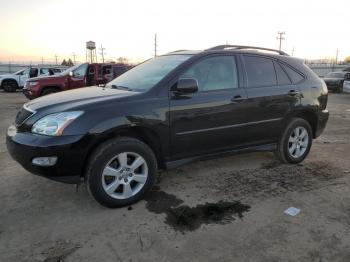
[[28, 93], [70, 152], [322, 122]]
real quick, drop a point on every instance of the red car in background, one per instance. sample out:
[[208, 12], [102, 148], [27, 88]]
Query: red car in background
[[81, 75]]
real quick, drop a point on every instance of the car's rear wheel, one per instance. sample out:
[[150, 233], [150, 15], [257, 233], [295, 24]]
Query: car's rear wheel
[[295, 143], [120, 171], [9, 86]]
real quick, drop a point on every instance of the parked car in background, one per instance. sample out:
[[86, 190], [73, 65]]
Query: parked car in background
[[169, 111], [81, 75], [346, 84], [11, 82], [335, 80]]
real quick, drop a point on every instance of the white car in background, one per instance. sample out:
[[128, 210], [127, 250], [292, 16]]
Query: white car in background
[[346, 84], [11, 82]]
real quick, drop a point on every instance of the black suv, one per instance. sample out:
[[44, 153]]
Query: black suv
[[169, 111]]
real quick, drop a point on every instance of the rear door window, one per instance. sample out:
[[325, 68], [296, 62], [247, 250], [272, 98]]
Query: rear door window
[[282, 77], [260, 71]]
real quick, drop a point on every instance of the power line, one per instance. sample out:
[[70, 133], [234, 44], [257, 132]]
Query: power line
[[280, 38]]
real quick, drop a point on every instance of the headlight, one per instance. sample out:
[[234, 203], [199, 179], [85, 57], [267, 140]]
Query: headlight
[[54, 124], [32, 83]]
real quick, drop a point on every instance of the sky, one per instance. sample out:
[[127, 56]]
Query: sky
[[30, 30]]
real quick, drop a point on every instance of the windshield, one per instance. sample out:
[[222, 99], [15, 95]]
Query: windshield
[[20, 72], [66, 72], [146, 75]]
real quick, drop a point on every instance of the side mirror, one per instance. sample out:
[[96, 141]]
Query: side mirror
[[71, 73], [187, 86]]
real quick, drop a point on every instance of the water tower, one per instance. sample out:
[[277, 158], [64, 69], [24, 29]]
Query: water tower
[[91, 55]]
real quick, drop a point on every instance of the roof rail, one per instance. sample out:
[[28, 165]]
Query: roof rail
[[181, 50], [222, 47]]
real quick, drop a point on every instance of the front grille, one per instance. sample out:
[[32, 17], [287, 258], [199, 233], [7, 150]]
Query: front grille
[[22, 115]]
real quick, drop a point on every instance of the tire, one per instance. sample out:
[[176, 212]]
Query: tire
[[9, 86], [105, 171], [286, 143], [49, 90]]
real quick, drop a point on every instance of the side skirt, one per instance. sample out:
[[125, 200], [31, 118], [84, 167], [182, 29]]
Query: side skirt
[[184, 161]]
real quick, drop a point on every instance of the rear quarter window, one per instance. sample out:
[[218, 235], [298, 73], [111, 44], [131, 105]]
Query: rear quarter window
[[282, 77], [295, 76]]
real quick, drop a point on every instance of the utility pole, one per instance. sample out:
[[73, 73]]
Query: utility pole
[[56, 57], [155, 45], [280, 38], [74, 55], [42, 60], [102, 53], [336, 56], [293, 50]]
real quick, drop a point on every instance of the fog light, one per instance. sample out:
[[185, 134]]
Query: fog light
[[44, 161], [12, 131]]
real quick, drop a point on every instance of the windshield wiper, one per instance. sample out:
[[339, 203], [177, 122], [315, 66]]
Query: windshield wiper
[[122, 87]]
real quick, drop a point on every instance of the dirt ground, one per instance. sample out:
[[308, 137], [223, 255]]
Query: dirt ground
[[229, 209]]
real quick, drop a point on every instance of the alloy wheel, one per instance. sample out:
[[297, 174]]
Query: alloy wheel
[[124, 175], [298, 142]]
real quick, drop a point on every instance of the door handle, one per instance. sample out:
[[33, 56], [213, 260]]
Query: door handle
[[293, 93], [237, 98]]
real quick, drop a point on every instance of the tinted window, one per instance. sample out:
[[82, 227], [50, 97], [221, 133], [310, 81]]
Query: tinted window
[[295, 76], [260, 71], [282, 77], [214, 73], [119, 70], [33, 72], [106, 69]]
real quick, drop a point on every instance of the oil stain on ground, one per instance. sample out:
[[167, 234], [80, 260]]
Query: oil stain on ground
[[184, 218]]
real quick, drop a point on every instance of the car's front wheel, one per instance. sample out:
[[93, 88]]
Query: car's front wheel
[[9, 86], [120, 171], [295, 142]]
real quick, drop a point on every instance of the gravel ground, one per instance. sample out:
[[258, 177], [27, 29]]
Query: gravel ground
[[229, 209]]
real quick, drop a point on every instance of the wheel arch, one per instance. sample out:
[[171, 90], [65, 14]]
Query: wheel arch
[[144, 134], [50, 86], [8, 79], [311, 117]]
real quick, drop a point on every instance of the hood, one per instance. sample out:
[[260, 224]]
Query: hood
[[44, 77], [78, 97], [7, 75]]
